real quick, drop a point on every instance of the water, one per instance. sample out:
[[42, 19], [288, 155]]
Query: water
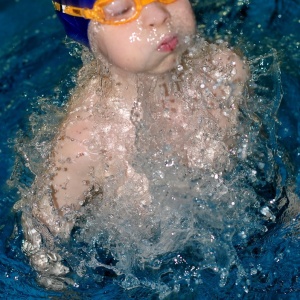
[[263, 253]]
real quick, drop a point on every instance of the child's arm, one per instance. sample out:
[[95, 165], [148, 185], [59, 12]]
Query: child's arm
[[222, 75], [94, 147], [74, 161], [59, 186], [226, 82], [87, 150]]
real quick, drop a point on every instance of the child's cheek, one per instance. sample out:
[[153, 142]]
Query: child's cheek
[[186, 25]]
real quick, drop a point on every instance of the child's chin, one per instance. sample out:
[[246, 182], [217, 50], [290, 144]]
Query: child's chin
[[167, 65]]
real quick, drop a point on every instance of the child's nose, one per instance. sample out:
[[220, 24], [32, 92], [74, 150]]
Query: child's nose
[[155, 14]]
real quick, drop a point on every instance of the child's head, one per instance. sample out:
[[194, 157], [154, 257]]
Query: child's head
[[134, 35]]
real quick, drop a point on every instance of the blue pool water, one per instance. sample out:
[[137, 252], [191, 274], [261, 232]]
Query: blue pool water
[[36, 63]]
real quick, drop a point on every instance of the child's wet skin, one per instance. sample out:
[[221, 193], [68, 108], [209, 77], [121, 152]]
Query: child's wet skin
[[95, 145]]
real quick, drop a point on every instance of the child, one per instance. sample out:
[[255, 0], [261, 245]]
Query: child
[[155, 97]]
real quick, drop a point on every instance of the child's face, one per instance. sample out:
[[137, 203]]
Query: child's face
[[151, 44]]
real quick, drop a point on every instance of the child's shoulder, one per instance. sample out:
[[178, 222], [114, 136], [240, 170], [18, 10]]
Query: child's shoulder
[[217, 81], [218, 72], [219, 61]]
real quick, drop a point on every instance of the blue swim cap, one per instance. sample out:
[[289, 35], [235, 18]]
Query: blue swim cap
[[76, 27]]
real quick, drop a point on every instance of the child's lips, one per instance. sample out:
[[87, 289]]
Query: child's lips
[[168, 44]]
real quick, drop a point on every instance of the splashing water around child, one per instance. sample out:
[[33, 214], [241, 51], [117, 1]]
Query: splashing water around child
[[153, 173]]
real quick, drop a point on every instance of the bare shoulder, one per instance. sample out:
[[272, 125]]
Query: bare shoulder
[[231, 71], [223, 71], [228, 60], [220, 77], [74, 155], [93, 143]]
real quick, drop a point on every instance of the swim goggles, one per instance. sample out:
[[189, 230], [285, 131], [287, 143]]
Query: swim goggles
[[108, 11]]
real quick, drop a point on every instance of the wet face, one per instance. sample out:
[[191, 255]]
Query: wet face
[[151, 44]]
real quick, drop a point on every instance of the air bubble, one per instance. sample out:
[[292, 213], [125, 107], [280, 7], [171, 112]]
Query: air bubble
[[180, 68]]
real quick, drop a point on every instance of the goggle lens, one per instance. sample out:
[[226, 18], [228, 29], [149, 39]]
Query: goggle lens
[[119, 10]]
